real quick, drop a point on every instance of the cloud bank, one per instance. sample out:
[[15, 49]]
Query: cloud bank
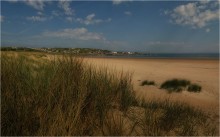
[[77, 33], [195, 14], [36, 18]]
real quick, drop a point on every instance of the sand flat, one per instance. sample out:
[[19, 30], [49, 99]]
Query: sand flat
[[204, 72]]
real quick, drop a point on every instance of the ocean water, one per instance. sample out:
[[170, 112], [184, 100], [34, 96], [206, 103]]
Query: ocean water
[[170, 55]]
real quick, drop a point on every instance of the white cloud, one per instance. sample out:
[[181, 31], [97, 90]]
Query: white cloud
[[204, 1], [55, 13], [39, 17], [166, 12], [77, 33], [69, 19], [65, 5], [194, 14], [39, 13], [172, 43], [127, 13], [37, 4], [36, 18], [207, 30], [12, 1], [90, 20], [108, 20], [90, 17], [2, 18], [186, 10], [116, 2]]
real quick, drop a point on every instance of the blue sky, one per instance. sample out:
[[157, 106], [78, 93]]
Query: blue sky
[[147, 26]]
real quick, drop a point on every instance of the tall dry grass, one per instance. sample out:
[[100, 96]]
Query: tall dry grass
[[58, 97]]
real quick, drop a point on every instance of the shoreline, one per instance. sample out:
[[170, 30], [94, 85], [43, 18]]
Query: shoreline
[[148, 58]]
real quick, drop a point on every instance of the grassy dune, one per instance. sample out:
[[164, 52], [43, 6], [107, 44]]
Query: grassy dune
[[65, 96]]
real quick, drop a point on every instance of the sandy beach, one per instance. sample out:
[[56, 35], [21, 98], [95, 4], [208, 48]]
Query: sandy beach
[[203, 72]]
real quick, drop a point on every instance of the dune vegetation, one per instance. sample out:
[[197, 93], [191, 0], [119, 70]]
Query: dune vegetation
[[65, 96], [178, 85], [146, 82]]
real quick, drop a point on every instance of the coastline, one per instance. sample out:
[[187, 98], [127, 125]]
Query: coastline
[[214, 56], [151, 58]]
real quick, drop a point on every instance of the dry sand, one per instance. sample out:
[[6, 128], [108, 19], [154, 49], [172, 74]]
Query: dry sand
[[203, 72]]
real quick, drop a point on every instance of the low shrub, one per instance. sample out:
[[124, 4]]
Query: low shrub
[[194, 88], [146, 82], [175, 85]]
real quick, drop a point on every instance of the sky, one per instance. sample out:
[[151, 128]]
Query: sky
[[142, 26]]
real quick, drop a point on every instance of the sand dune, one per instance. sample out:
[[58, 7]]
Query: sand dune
[[202, 72]]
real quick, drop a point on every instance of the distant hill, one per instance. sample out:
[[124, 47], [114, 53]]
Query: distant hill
[[16, 49], [82, 51]]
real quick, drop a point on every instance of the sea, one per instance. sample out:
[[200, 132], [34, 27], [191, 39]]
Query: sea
[[167, 55]]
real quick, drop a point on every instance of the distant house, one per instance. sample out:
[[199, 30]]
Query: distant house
[[114, 52]]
